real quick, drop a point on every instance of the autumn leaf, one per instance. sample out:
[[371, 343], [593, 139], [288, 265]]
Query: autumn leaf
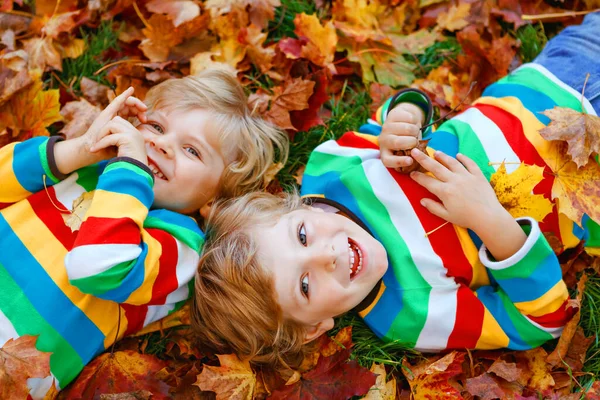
[[119, 372], [30, 111], [177, 318], [382, 390], [234, 379], [581, 131], [577, 189], [43, 53], [455, 18], [334, 377], [80, 206], [13, 80], [180, 11], [514, 191], [488, 387], [79, 116], [538, 369], [19, 361], [434, 380]]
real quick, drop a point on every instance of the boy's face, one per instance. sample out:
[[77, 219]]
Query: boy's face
[[185, 155], [323, 265]]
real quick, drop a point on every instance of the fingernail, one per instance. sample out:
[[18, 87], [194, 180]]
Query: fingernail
[[422, 202], [415, 151]]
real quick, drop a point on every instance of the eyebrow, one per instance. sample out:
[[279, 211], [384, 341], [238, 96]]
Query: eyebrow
[[292, 233]]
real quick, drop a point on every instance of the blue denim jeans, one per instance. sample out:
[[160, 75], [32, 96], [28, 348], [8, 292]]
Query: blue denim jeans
[[574, 53]]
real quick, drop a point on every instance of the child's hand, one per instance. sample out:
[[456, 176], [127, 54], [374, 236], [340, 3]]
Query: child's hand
[[401, 131], [128, 140], [468, 199]]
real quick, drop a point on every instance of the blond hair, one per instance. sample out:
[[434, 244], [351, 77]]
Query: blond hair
[[235, 308], [256, 144]]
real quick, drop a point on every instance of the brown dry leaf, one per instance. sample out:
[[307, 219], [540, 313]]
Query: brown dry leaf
[[30, 111], [43, 53], [382, 390], [570, 328], [233, 380], [514, 191], [64, 23], [80, 207], [94, 92], [179, 317], [506, 370], [260, 12], [539, 370], [137, 395], [455, 18], [488, 387], [415, 166], [11, 81], [581, 132], [577, 190], [435, 380], [19, 361], [180, 11], [79, 116], [260, 56], [293, 95]]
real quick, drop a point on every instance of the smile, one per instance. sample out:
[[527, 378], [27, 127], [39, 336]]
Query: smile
[[156, 171], [355, 257]]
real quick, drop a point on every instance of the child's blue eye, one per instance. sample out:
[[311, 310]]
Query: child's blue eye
[[304, 285], [302, 235], [157, 128], [192, 151]]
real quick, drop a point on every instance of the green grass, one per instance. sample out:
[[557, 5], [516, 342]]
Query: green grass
[[436, 54], [97, 42], [348, 112], [590, 322], [282, 25], [533, 39]]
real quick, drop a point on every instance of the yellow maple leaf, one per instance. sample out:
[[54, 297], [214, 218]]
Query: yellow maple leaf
[[576, 189], [381, 390], [455, 18], [322, 39], [80, 207], [29, 111], [234, 379], [514, 191]]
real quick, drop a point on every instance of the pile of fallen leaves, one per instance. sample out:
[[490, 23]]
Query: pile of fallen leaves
[[56, 74]]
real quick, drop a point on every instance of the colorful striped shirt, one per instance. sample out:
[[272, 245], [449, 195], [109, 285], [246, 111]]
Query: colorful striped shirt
[[124, 267], [442, 290]]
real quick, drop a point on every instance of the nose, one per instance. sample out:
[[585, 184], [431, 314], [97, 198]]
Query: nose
[[326, 257], [161, 144]]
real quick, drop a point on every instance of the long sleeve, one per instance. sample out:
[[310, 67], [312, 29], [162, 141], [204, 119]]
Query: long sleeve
[[25, 167], [127, 254]]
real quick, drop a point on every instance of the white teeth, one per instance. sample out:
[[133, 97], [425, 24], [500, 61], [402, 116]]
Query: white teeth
[[351, 256], [156, 171]]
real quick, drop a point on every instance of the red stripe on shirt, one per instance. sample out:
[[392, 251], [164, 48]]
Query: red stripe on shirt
[[349, 139], [512, 129], [556, 319], [49, 214], [166, 280], [100, 230], [444, 241], [136, 315], [469, 320]]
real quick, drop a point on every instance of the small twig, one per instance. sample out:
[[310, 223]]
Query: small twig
[[19, 13], [451, 111], [117, 63], [556, 15], [68, 88], [139, 14], [587, 76], [427, 234]]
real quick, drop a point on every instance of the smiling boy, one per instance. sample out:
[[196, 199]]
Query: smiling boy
[[79, 280], [431, 260]]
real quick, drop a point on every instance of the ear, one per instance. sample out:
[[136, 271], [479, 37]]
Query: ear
[[205, 209], [314, 331]]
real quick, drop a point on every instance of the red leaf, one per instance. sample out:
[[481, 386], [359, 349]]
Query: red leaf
[[333, 378], [303, 120]]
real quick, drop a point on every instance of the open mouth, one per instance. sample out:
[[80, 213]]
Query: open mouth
[[356, 258], [155, 170]]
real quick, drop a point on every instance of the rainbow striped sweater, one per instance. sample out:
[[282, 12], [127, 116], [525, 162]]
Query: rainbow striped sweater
[[123, 268], [443, 290]]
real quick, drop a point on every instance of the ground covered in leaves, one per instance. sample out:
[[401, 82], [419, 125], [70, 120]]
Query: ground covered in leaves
[[316, 69]]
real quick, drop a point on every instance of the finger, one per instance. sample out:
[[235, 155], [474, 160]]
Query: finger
[[431, 165], [449, 162], [435, 207], [392, 161], [469, 164], [416, 111], [428, 182], [115, 105], [392, 142], [106, 142], [135, 102], [402, 129], [402, 114]]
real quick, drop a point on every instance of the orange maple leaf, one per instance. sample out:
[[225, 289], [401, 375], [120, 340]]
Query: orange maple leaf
[[30, 111], [316, 42], [19, 361], [455, 18], [180, 11], [577, 189], [433, 380], [581, 131], [234, 379]]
